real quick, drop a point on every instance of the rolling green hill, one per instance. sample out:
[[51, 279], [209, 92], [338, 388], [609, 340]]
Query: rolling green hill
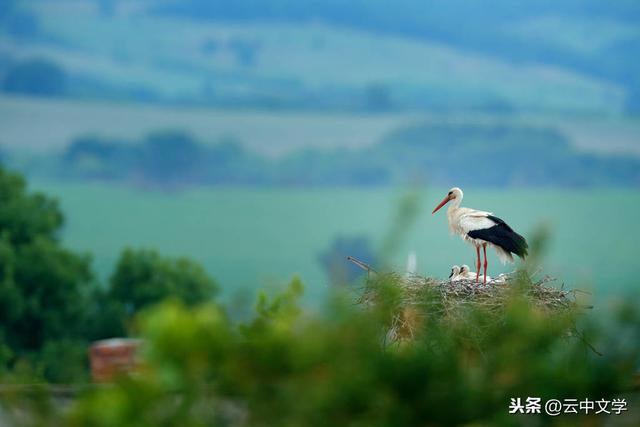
[[279, 63]]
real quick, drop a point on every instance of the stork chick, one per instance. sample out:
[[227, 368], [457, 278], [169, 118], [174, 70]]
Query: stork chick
[[455, 272], [467, 274]]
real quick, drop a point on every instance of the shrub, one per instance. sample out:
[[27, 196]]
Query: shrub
[[289, 367]]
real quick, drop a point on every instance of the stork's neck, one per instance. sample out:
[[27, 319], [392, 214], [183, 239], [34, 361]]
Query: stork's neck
[[454, 204], [452, 210]]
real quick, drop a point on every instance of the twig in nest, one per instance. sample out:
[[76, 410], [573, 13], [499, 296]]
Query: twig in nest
[[366, 267], [455, 295]]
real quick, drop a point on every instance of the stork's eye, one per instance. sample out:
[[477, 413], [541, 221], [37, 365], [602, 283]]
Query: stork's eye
[[450, 192]]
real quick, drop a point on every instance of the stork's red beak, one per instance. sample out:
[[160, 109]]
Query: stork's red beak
[[442, 203]]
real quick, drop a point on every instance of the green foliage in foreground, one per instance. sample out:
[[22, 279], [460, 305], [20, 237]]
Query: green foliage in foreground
[[50, 304], [288, 367], [142, 278]]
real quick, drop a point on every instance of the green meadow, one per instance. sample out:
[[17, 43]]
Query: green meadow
[[249, 239]]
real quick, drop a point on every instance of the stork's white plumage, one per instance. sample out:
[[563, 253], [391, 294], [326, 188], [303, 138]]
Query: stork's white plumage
[[482, 229], [455, 272], [467, 274]]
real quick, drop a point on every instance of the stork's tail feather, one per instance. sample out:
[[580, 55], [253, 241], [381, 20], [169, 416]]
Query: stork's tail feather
[[521, 246]]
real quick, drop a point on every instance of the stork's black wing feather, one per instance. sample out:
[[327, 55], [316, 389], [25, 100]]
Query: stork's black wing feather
[[502, 235]]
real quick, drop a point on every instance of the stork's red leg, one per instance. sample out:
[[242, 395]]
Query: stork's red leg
[[484, 249], [478, 264]]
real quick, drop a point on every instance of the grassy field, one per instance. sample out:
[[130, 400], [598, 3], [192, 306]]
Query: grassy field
[[40, 124], [252, 239]]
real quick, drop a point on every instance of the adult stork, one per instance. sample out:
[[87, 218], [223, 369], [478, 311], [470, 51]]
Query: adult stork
[[482, 229]]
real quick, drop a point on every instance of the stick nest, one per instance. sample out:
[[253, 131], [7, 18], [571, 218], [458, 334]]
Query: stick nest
[[418, 296]]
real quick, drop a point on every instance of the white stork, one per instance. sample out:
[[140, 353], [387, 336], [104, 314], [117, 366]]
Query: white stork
[[467, 274], [481, 229]]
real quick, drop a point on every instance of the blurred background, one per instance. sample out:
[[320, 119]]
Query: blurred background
[[270, 138]]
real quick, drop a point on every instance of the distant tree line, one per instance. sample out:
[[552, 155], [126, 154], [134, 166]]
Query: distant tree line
[[39, 77], [484, 155], [168, 159], [44, 77]]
